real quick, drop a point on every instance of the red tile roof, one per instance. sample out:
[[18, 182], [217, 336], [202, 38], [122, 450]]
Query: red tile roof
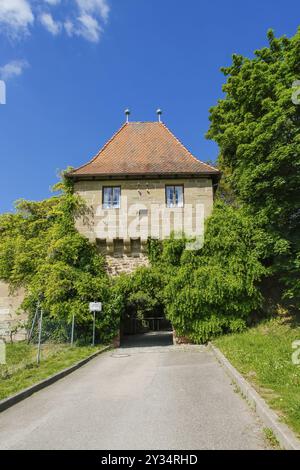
[[143, 149]]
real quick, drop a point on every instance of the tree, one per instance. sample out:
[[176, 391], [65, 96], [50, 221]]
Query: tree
[[257, 128], [216, 289], [41, 250]]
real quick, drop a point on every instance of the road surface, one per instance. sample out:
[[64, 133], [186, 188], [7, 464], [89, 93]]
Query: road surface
[[151, 397]]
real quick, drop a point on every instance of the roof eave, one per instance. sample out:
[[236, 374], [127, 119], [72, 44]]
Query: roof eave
[[124, 176]]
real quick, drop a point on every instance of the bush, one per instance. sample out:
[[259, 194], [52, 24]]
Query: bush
[[216, 289], [41, 250], [142, 292], [207, 292], [208, 328]]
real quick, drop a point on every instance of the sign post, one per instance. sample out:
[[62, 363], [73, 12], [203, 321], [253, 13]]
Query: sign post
[[94, 307], [72, 332], [94, 327]]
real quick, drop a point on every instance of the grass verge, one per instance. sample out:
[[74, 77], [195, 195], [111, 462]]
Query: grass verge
[[21, 370], [263, 355], [271, 438]]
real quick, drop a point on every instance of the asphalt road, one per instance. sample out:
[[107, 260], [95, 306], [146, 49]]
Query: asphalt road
[[152, 397]]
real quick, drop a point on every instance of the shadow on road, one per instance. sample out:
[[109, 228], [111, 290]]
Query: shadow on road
[[153, 338]]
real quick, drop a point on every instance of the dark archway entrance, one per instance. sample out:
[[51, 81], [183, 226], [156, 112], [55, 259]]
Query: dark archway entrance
[[148, 331], [149, 339]]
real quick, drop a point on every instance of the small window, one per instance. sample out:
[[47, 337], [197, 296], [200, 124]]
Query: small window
[[174, 196], [111, 197]]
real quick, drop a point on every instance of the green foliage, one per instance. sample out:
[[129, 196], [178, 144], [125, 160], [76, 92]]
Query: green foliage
[[172, 250], [142, 292], [216, 289], [257, 128], [263, 354], [154, 249], [207, 292], [213, 326], [41, 250]]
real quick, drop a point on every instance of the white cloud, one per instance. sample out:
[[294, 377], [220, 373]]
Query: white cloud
[[87, 24], [54, 27], [89, 28], [52, 2], [15, 16], [13, 69], [94, 7], [84, 18], [69, 27]]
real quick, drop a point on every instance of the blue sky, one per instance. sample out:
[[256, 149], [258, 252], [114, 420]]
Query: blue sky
[[71, 67]]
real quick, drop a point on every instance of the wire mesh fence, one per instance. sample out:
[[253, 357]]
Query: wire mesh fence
[[59, 330]]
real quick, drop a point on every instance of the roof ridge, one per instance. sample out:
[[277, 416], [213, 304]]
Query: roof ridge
[[102, 148], [182, 145]]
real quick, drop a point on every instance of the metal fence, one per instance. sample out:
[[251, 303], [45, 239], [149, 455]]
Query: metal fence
[[136, 325]]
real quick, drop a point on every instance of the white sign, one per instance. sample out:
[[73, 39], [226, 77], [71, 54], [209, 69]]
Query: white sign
[[95, 306]]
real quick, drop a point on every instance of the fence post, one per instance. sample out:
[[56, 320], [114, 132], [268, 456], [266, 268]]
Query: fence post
[[38, 358]]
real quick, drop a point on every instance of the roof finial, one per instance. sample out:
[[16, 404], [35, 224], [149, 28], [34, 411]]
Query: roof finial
[[159, 113], [127, 113]]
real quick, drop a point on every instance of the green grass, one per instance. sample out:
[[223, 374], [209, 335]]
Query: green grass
[[263, 354], [271, 438], [21, 369]]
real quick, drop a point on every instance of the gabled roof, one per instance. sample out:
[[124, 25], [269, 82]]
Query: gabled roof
[[143, 149]]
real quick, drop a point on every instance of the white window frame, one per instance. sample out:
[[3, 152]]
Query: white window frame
[[111, 204], [174, 203]]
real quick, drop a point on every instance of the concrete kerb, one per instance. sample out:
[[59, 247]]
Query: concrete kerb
[[286, 438], [12, 400]]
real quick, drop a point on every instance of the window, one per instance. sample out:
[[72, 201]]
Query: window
[[111, 197], [174, 196]]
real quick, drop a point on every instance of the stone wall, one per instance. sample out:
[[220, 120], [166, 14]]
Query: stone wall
[[124, 264], [9, 318], [143, 210]]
